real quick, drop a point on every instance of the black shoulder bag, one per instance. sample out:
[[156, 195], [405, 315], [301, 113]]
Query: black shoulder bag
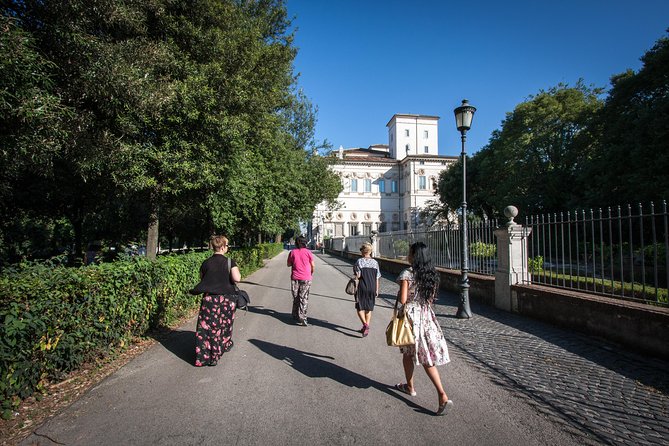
[[241, 297]]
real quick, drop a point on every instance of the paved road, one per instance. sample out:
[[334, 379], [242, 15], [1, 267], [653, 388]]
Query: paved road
[[514, 382]]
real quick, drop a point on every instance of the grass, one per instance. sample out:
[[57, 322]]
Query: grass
[[626, 290]]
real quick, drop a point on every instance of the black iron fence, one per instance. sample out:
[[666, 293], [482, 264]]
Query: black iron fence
[[444, 245], [621, 252]]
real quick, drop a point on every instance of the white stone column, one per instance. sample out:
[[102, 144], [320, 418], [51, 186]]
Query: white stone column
[[511, 260], [375, 244]]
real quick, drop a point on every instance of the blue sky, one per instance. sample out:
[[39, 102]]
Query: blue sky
[[362, 61]]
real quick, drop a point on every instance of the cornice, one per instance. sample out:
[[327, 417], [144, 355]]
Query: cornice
[[412, 116], [368, 161]]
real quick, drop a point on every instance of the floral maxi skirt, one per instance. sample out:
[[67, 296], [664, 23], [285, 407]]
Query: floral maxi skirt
[[213, 335]]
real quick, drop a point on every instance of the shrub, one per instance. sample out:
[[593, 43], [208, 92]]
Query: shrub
[[55, 318], [401, 247], [480, 249], [535, 264]]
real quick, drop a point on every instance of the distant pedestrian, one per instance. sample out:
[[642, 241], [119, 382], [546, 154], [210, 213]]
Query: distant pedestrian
[[419, 286], [366, 269], [301, 261], [213, 334]]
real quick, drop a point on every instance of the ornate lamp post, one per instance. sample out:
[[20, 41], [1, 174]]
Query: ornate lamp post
[[321, 231], [463, 121]]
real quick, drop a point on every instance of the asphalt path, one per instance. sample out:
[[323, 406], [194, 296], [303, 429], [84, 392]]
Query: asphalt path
[[284, 384]]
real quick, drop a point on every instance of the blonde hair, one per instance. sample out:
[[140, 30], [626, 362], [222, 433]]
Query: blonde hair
[[366, 248], [218, 241]]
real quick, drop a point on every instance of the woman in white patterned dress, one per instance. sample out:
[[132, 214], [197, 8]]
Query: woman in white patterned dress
[[419, 286]]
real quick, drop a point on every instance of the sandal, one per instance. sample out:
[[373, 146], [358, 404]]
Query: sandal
[[405, 389], [444, 408]]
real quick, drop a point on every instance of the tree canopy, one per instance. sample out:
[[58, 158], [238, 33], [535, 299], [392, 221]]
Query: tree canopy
[[574, 147], [533, 161], [630, 163], [123, 113]]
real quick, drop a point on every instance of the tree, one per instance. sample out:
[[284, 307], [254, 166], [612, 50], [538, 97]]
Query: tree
[[174, 108], [99, 67], [277, 186], [34, 126], [631, 161], [534, 160]]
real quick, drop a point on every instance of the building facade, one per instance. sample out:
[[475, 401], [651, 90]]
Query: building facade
[[385, 186]]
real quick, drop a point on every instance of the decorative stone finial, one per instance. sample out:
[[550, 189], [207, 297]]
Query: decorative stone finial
[[510, 212]]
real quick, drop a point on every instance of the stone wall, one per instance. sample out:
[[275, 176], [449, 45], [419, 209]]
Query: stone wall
[[640, 327]]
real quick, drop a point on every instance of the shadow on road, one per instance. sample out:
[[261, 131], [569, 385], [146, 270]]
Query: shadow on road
[[314, 365], [289, 291], [288, 320], [248, 282], [335, 327], [282, 317], [182, 344]]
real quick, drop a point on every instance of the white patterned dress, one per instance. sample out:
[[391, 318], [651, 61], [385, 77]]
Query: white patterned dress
[[430, 348]]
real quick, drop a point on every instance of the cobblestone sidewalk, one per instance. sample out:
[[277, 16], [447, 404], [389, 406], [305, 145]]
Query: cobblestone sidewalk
[[608, 395]]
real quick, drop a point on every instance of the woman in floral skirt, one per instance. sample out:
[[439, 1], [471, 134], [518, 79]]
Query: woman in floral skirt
[[419, 286], [218, 276]]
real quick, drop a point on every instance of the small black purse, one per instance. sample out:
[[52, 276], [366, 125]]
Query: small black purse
[[241, 298]]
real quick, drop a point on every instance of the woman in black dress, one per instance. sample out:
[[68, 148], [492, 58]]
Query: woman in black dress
[[367, 271], [218, 275]]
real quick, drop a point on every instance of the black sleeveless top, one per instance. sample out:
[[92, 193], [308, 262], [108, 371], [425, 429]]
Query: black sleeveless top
[[215, 276]]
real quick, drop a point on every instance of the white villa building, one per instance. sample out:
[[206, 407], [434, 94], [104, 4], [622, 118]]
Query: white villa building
[[385, 186]]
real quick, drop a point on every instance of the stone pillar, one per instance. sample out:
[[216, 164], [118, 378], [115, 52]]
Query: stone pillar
[[511, 260], [375, 244]]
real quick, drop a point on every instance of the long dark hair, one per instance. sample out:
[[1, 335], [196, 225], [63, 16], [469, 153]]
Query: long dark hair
[[425, 275]]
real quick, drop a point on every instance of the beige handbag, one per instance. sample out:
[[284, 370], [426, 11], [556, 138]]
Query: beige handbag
[[399, 332], [352, 286]]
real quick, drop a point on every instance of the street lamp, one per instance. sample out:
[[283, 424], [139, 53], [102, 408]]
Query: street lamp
[[321, 231], [463, 121]]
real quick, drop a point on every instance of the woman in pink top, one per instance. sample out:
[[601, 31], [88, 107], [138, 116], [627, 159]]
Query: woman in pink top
[[301, 261]]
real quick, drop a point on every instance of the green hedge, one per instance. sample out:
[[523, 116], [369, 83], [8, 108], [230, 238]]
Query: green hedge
[[55, 318]]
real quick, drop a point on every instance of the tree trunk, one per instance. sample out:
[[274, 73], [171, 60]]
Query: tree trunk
[[76, 221], [78, 232], [277, 238], [152, 238]]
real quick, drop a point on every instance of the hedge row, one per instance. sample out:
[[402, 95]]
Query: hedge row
[[55, 318]]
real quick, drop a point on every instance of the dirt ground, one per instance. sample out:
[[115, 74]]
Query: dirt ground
[[35, 410]]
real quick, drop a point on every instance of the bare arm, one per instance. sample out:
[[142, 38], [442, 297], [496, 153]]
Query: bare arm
[[403, 292], [313, 265], [235, 275]]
